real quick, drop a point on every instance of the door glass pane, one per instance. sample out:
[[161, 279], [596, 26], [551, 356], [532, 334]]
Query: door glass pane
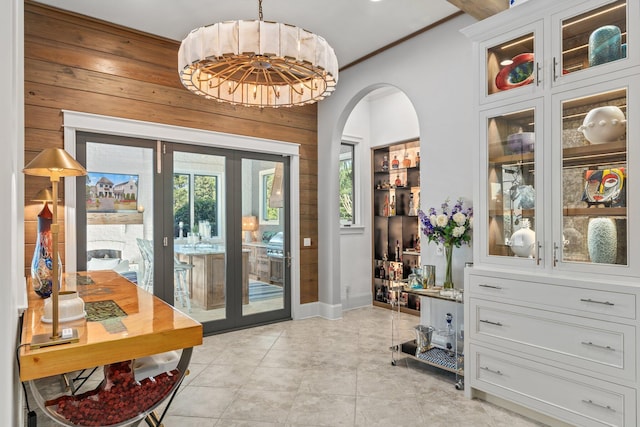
[[119, 201], [263, 237], [199, 244], [594, 156], [594, 38], [510, 64], [511, 191]]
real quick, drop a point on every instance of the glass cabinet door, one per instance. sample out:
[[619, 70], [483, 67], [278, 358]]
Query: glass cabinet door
[[590, 39], [512, 62], [594, 172], [511, 193]]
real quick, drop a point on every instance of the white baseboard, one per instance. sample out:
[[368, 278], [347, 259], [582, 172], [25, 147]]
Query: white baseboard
[[514, 407], [357, 301], [304, 311]]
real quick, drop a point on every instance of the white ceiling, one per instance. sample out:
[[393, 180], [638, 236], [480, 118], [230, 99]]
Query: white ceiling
[[354, 28]]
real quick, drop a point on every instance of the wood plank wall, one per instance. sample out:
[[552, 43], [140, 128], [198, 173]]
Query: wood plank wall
[[78, 63]]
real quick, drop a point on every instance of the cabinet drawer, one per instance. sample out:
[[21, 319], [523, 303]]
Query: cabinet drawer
[[577, 399], [603, 347], [614, 304]]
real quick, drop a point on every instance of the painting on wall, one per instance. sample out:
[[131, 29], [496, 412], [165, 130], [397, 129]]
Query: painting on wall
[[111, 192]]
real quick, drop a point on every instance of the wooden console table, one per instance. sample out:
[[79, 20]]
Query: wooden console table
[[148, 327]]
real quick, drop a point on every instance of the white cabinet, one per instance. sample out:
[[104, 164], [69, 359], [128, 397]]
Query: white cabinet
[[564, 347], [551, 302], [556, 146]]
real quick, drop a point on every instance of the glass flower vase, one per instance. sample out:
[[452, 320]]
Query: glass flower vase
[[448, 278]]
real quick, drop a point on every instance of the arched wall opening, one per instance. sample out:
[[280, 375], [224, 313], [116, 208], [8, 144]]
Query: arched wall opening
[[383, 116]]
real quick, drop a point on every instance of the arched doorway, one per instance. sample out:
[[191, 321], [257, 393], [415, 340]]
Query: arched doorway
[[383, 116]]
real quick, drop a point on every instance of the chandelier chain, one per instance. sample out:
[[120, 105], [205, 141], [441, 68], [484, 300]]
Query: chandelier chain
[[260, 10]]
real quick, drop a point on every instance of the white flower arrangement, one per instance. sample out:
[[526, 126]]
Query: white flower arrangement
[[450, 227]]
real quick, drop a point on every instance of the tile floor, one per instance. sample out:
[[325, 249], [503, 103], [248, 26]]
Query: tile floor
[[318, 372]]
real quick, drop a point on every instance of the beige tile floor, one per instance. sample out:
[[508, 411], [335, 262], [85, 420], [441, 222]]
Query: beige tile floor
[[318, 372]]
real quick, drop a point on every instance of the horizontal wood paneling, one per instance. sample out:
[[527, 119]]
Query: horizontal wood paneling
[[81, 64]]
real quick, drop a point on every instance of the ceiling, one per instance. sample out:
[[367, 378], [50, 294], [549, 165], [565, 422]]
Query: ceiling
[[354, 28]]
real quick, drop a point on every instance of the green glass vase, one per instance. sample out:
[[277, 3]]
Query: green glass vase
[[448, 278]]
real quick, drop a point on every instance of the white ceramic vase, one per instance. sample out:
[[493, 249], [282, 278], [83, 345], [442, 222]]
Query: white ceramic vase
[[604, 124], [523, 241]]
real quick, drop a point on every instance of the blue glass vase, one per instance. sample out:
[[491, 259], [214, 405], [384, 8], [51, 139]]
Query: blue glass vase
[[42, 263]]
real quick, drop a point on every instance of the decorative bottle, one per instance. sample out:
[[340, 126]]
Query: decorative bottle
[[385, 163], [406, 162], [412, 209], [392, 208], [395, 163], [398, 182]]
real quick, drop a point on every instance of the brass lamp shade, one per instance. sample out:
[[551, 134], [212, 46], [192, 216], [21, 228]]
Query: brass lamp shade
[[54, 162], [43, 195]]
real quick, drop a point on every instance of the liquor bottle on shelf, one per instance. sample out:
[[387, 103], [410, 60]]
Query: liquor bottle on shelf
[[385, 164], [385, 208], [397, 250], [392, 273], [398, 182], [392, 208], [412, 209], [406, 162], [395, 163], [417, 161]]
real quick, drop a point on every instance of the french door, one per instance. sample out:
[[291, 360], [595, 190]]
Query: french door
[[205, 229]]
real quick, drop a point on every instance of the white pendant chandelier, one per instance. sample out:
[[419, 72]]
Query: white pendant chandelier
[[257, 63]]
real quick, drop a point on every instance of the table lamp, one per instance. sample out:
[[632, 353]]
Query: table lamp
[[54, 163], [249, 226]]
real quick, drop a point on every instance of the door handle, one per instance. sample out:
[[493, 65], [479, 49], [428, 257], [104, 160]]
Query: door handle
[[288, 259]]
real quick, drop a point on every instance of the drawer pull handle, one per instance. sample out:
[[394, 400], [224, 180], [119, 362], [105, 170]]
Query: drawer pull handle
[[490, 322], [597, 302], [485, 368], [591, 402], [489, 286], [605, 347]]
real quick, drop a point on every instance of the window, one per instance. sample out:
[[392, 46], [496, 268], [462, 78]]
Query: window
[[198, 210], [347, 184], [205, 205], [181, 205], [268, 215]]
